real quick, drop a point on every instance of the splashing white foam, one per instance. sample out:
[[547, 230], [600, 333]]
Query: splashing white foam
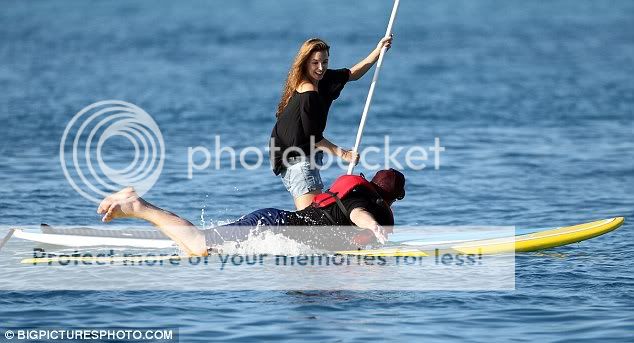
[[202, 217], [266, 242]]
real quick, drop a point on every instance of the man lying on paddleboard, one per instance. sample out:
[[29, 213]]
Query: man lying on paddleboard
[[351, 201]]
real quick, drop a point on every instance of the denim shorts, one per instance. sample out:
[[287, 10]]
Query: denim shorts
[[299, 178]]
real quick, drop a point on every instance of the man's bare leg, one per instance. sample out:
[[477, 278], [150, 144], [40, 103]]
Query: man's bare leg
[[127, 204]]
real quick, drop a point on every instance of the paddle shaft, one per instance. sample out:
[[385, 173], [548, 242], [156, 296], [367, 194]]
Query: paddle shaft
[[6, 238], [368, 101]]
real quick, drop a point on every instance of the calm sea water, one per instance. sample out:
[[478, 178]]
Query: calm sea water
[[532, 100]]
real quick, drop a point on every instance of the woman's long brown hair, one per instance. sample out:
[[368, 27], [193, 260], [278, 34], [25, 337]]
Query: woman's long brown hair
[[297, 73]]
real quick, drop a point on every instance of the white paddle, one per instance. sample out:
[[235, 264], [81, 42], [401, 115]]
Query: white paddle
[[6, 238], [368, 101]]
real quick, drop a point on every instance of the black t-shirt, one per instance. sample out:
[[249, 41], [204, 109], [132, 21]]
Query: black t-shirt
[[305, 116], [358, 198]]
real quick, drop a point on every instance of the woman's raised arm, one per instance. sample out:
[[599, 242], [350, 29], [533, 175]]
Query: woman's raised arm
[[365, 64]]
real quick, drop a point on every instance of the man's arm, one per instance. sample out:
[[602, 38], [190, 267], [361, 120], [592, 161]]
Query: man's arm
[[365, 220]]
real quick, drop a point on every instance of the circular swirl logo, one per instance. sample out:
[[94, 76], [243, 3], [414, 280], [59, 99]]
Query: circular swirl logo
[[109, 145]]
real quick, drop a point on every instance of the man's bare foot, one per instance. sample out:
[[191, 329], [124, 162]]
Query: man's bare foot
[[126, 203]]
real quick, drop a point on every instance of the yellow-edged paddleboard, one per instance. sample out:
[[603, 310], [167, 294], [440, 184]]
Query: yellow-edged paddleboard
[[544, 239]]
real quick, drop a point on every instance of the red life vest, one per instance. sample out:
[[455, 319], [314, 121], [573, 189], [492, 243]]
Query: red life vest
[[343, 186]]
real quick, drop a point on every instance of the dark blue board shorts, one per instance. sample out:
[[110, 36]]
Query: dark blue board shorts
[[239, 230], [276, 221]]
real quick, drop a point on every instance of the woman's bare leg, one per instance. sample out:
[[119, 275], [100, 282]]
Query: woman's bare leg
[[127, 204], [303, 201]]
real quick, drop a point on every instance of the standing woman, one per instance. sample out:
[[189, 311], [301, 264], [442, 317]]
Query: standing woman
[[301, 115]]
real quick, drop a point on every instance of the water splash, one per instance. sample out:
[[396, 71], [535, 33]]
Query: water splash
[[203, 223], [266, 242]]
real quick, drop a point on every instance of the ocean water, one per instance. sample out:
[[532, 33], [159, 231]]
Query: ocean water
[[533, 102]]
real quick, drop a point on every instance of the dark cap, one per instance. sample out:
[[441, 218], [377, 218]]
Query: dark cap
[[390, 184]]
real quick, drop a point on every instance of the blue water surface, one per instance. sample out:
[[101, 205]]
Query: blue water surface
[[533, 101]]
